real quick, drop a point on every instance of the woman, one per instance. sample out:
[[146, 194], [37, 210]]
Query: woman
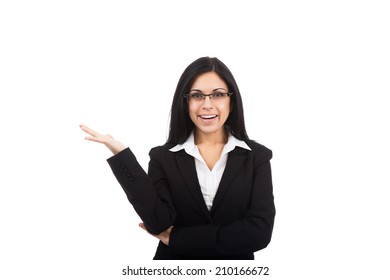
[[208, 191]]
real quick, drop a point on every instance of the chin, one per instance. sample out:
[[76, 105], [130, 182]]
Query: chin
[[208, 130]]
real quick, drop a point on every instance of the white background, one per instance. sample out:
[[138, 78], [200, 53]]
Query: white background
[[314, 76]]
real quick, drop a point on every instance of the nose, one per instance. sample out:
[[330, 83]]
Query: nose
[[207, 102]]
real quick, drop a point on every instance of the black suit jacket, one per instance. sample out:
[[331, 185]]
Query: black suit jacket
[[240, 221]]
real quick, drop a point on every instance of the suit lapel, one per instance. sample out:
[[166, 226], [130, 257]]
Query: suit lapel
[[186, 164], [236, 159]]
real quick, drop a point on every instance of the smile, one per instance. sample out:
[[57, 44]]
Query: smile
[[208, 117]]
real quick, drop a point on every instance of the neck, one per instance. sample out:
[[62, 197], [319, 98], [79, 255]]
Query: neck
[[214, 138]]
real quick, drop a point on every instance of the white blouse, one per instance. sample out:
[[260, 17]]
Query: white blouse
[[209, 179]]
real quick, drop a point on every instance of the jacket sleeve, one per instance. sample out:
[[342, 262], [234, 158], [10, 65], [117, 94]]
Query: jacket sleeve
[[247, 235], [150, 198]]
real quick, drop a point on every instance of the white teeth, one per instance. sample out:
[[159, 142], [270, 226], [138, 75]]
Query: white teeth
[[208, 116]]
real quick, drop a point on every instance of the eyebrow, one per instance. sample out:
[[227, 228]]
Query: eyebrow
[[194, 89]]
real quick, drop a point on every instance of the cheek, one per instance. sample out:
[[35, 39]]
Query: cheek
[[224, 109], [192, 111]]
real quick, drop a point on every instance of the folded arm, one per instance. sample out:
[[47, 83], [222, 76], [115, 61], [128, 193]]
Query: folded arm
[[249, 234]]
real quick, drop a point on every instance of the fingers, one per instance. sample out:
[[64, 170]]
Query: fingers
[[95, 139], [141, 225], [163, 236], [95, 136], [88, 130], [106, 139]]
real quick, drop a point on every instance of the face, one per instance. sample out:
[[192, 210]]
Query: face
[[208, 115]]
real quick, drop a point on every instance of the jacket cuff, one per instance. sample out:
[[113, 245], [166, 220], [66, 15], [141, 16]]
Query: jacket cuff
[[125, 163]]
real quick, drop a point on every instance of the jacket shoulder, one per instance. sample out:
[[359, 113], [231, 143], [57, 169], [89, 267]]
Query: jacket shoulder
[[261, 152], [157, 151]]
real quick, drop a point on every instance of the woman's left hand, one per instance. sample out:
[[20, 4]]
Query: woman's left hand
[[163, 236]]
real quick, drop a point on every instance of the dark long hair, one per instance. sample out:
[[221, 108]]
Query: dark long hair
[[181, 125]]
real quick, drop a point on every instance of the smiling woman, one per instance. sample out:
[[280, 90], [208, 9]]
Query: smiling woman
[[208, 192], [209, 112]]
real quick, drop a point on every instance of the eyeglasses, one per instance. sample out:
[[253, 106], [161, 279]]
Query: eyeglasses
[[215, 96]]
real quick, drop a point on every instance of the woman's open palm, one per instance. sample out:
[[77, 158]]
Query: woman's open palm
[[106, 139]]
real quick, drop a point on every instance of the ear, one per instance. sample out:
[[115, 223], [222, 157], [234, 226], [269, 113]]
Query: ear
[[231, 107]]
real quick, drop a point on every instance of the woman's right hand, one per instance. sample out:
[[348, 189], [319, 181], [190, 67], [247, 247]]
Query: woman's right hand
[[106, 139]]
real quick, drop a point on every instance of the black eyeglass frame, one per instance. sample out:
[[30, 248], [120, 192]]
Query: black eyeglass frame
[[188, 95]]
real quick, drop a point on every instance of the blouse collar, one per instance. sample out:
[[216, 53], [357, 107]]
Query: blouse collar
[[190, 147]]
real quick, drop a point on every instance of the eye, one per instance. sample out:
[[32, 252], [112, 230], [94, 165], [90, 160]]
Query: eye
[[196, 96], [219, 94]]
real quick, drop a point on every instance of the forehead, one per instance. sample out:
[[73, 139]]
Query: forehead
[[209, 81]]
